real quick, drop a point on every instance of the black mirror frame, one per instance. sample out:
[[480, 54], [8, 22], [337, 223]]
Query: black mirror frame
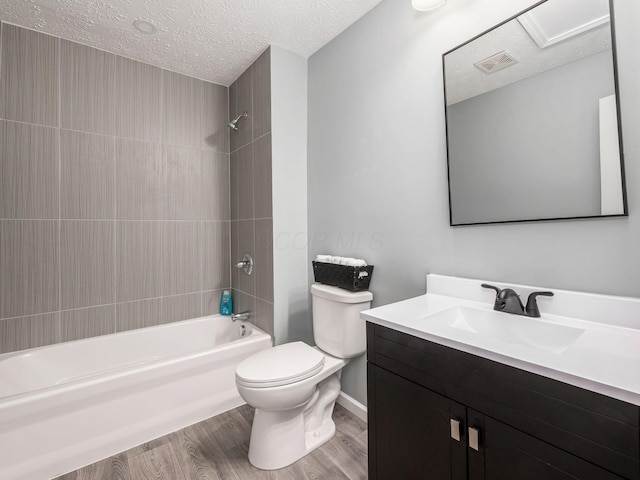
[[619, 115]]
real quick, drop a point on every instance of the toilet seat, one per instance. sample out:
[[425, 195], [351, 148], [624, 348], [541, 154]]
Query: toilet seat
[[281, 365]]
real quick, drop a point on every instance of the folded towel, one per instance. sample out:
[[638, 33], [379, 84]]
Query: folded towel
[[349, 261], [356, 262], [340, 260]]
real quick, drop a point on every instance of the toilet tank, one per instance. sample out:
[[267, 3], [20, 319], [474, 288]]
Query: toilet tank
[[337, 326]]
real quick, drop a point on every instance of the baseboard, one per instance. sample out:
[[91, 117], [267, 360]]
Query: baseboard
[[354, 406]]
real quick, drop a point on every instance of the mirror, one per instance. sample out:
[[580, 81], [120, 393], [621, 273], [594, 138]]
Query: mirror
[[533, 118]]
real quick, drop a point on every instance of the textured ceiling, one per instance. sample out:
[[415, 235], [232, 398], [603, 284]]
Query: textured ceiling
[[214, 40], [465, 80]]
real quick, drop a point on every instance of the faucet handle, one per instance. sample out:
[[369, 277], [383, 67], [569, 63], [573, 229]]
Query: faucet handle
[[532, 309], [492, 287]]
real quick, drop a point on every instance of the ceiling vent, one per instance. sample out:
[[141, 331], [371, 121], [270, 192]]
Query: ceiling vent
[[496, 62]]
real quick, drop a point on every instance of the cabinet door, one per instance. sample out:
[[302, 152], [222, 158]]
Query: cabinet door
[[505, 453], [410, 431]]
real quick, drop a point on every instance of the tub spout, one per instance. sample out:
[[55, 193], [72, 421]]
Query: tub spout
[[240, 316]]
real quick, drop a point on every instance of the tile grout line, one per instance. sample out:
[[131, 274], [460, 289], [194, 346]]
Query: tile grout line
[[200, 238], [115, 214], [119, 220], [228, 212], [132, 139], [163, 189], [250, 142], [52, 312], [59, 132], [253, 196]]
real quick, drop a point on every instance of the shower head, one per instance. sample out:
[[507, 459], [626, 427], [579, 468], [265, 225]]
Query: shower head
[[233, 124]]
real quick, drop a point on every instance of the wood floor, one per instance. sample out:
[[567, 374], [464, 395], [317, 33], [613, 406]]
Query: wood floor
[[217, 449]]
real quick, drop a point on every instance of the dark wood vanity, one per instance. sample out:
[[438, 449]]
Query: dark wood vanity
[[440, 413]]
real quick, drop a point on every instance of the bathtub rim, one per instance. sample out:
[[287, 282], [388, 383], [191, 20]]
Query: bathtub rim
[[9, 401]]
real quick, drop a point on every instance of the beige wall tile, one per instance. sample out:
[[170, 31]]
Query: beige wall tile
[[138, 260], [139, 314], [181, 307], [181, 105], [29, 332], [242, 183], [263, 268], [243, 233], [28, 267], [182, 183], [103, 213], [214, 130], [87, 255], [211, 302], [244, 303], [139, 180], [29, 80], [244, 103], [261, 86], [28, 171], [215, 175], [180, 257], [87, 89], [87, 322], [137, 100], [87, 177], [262, 179], [233, 108], [263, 317], [215, 255]]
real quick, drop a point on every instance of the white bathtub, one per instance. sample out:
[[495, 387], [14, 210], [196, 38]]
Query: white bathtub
[[68, 405]]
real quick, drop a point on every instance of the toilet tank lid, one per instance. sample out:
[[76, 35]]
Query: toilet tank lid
[[339, 294]]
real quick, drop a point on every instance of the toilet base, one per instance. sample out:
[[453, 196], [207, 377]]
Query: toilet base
[[279, 438]]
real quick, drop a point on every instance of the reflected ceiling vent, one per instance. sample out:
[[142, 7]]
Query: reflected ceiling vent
[[496, 62]]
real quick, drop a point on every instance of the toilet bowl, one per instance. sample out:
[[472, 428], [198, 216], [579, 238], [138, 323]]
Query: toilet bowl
[[294, 386]]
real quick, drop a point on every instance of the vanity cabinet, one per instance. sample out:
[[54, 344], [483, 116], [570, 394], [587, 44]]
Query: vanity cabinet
[[439, 413]]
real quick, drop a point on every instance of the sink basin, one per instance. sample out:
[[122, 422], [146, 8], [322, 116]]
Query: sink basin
[[504, 327], [587, 340]]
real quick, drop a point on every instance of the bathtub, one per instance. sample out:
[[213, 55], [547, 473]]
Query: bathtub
[[68, 405]]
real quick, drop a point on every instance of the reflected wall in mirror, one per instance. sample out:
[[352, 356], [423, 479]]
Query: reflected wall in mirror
[[533, 118]]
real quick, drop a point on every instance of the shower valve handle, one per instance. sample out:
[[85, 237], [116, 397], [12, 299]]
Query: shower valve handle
[[246, 264]]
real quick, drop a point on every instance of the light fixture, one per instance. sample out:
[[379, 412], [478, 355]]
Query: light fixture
[[426, 5], [143, 26]]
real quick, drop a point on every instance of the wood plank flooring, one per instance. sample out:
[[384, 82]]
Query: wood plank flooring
[[216, 449]]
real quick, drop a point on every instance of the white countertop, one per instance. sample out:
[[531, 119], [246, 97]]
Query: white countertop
[[605, 358]]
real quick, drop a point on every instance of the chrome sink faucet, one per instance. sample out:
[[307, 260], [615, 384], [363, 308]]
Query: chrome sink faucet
[[508, 301]]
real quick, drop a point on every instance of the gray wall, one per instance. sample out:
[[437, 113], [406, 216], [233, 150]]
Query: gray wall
[[290, 255], [377, 180], [535, 142], [251, 199], [114, 192]]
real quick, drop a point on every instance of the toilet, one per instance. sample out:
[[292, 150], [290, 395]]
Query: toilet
[[293, 387]]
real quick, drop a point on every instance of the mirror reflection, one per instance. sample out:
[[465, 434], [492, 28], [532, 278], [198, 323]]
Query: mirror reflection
[[533, 129]]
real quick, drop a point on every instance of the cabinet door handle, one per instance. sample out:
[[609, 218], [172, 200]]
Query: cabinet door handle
[[455, 429], [474, 438]]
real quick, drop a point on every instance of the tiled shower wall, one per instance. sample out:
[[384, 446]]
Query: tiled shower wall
[[114, 192], [251, 201]]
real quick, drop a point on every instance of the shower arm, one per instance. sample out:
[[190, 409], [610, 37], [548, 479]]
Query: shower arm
[[233, 124]]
